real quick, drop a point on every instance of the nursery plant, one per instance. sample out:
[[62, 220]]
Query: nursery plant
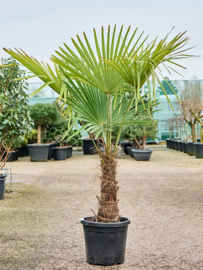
[[14, 113], [94, 79], [138, 134], [43, 115]]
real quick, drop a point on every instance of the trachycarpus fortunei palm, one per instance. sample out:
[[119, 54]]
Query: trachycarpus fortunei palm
[[105, 68]]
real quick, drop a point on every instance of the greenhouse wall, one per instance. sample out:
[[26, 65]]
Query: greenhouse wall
[[165, 111]]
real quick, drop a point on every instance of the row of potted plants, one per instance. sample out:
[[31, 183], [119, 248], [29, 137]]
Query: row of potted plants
[[192, 149]]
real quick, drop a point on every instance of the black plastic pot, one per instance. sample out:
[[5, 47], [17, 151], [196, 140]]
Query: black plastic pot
[[167, 143], [88, 146], [2, 185], [198, 140], [141, 155], [12, 157], [38, 152], [178, 145], [69, 151], [191, 149], [51, 145], [16, 154], [185, 147], [105, 242], [198, 150], [129, 148], [124, 145], [181, 146], [59, 153], [173, 144]]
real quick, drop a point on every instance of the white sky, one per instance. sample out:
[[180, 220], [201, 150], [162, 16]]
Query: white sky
[[39, 27]]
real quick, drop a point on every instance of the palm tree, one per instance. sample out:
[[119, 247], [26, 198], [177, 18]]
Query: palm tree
[[95, 80]]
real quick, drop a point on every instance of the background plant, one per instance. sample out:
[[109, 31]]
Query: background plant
[[15, 118]]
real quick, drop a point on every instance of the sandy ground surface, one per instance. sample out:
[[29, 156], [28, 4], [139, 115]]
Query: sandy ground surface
[[40, 225]]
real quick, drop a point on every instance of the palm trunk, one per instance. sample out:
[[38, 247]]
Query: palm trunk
[[39, 134], [108, 211]]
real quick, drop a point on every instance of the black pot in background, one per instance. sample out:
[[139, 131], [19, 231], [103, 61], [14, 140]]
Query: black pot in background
[[178, 146], [88, 146], [38, 152], [26, 151], [69, 151], [181, 146], [199, 140], [198, 150], [17, 154], [167, 143], [129, 148], [59, 153], [12, 157], [141, 155], [191, 149], [51, 145], [105, 242], [124, 146], [185, 147], [2, 185], [173, 144]]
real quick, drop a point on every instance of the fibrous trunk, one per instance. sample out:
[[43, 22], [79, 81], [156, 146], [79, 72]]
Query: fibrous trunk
[[108, 203]]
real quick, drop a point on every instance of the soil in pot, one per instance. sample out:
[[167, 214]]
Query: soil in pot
[[59, 153], [2, 185], [198, 150], [124, 146], [39, 152], [141, 155], [191, 149], [105, 242]]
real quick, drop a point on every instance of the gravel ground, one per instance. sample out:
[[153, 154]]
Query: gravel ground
[[40, 225]]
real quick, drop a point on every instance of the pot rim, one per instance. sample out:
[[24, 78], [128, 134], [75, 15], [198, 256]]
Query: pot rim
[[38, 145], [125, 221], [142, 151]]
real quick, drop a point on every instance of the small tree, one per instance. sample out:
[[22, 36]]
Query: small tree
[[44, 115], [192, 104], [140, 133], [14, 114]]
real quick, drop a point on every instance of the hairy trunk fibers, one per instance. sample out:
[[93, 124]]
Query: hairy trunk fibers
[[108, 211]]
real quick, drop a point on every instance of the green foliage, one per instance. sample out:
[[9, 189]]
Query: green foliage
[[52, 129], [142, 132], [80, 143], [47, 133], [51, 136], [44, 114], [31, 136], [73, 141], [58, 132], [45, 140], [23, 141], [15, 118]]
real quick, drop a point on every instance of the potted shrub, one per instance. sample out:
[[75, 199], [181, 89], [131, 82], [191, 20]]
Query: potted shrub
[[138, 135], [42, 115], [14, 115], [94, 84]]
